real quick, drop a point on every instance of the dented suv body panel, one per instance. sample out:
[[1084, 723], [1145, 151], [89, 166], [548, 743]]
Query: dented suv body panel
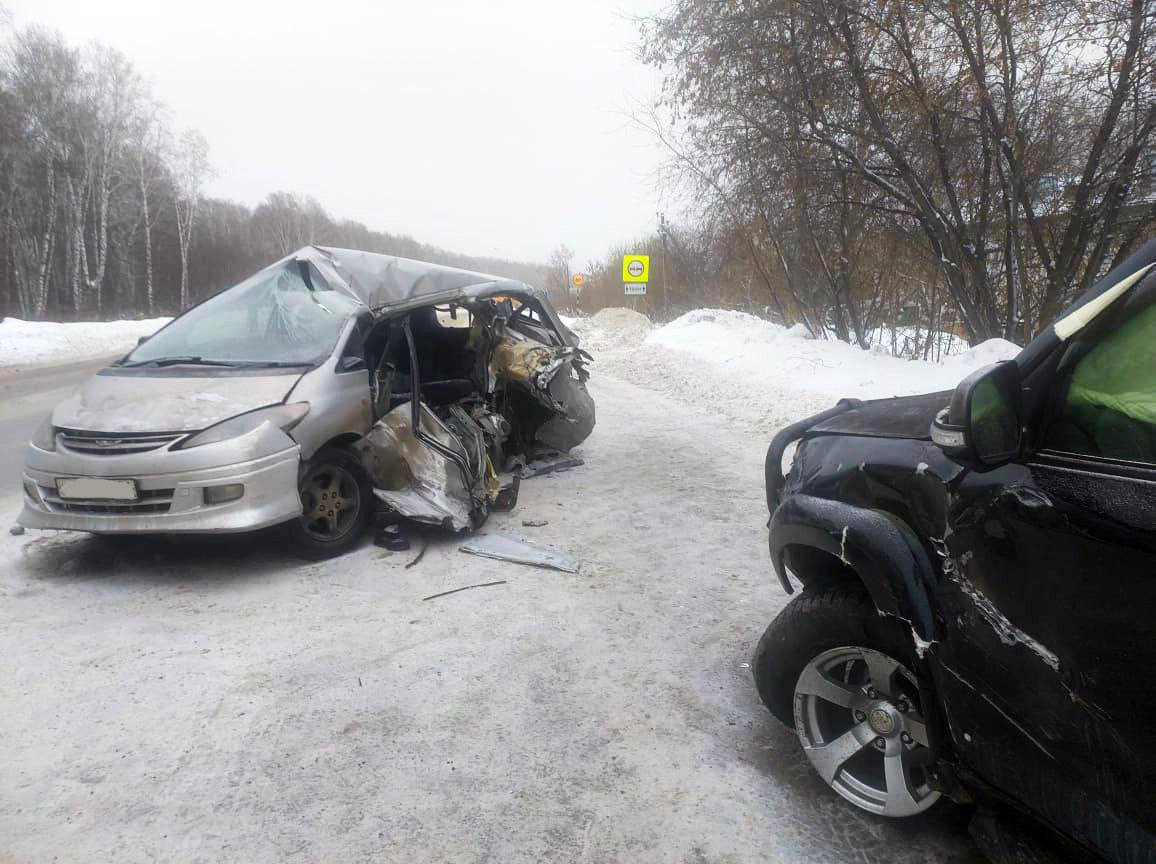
[[1029, 590]]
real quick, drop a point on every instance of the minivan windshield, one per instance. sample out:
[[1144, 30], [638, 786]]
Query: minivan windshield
[[285, 315]]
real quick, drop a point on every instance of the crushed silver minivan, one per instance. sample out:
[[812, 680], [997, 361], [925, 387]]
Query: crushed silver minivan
[[290, 398]]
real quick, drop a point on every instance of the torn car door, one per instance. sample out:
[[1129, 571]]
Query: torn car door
[[439, 484]]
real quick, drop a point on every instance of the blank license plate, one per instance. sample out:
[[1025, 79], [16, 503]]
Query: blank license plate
[[96, 489]]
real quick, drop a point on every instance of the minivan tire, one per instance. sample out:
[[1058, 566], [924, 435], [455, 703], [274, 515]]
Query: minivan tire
[[325, 528]]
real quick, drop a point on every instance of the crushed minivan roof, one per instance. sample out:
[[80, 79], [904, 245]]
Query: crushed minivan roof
[[381, 281]]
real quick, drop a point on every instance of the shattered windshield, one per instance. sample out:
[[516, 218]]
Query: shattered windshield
[[286, 314]]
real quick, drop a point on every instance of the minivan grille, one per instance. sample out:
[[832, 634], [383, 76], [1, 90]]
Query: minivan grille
[[150, 501], [118, 444]]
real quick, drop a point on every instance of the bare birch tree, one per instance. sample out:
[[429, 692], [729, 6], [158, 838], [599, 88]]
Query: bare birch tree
[[190, 170]]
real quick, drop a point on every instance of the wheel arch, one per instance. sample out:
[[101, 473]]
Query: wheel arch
[[831, 540], [343, 441]]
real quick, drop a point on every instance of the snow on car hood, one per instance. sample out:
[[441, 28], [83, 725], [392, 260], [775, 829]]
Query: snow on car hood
[[112, 402]]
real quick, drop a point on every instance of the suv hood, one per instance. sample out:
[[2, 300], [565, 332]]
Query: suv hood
[[117, 403], [901, 417]]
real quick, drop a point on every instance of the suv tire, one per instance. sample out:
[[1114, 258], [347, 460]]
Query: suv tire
[[837, 672]]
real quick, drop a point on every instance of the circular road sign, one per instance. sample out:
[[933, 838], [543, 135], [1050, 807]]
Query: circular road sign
[[635, 268]]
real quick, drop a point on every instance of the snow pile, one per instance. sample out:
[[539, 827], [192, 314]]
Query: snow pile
[[25, 343], [762, 375], [746, 345], [611, 328], [983, 354]]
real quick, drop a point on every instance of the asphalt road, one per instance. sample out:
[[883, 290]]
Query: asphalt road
[[26, 397]]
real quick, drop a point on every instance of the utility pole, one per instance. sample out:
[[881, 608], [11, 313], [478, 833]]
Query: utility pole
[[665, 287]]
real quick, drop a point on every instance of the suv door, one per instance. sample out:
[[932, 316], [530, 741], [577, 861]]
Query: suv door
[[1049, 599]]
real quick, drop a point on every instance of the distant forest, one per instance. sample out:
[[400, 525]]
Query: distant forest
[[102, 211]]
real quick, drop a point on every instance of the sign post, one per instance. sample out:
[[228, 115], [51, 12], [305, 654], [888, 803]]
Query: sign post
[[635, 275]]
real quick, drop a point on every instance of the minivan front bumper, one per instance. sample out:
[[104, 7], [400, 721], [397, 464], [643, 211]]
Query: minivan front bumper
[[170, 502]]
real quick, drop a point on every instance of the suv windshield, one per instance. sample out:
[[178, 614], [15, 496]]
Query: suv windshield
[[272, 318]]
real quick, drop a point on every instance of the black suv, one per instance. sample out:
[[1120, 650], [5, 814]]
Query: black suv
[[977, 619]]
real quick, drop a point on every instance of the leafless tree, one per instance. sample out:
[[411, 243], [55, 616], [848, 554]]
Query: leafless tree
[[1008, 134], [190, 170]]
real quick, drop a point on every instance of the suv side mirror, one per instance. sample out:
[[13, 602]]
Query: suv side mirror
[[981, 429], [141, 341]]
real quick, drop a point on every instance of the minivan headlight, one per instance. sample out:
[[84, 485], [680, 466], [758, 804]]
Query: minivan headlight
[[45, 436], [284, 417]]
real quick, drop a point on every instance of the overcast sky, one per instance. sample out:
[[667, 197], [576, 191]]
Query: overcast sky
[[494, 127]]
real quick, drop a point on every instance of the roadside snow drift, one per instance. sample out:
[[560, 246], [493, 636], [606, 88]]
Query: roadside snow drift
[[746, 345], [760, 374], [26, 343]]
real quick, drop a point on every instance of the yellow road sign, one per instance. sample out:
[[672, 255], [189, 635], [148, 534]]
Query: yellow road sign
[[579, 280], [635, 268]]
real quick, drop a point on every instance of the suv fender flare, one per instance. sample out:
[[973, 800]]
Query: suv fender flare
[[882, 550]]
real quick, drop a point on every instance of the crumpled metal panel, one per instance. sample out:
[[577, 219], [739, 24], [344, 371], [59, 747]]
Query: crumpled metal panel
[[412, 478], [385, 280], [506, 548], [555, 377]]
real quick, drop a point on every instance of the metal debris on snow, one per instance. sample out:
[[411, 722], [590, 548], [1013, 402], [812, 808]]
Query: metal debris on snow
[[505, 548], [549, 465], [464, 588], [17, 530], [535, 523]]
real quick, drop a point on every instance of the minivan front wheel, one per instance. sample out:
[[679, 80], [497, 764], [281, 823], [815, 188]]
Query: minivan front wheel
[[834, 670], [336, 504]]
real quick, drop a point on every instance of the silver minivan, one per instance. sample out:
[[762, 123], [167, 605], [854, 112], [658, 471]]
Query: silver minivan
[[290, 398]]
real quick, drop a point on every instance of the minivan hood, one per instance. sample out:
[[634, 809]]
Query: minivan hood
[[901, 417], [112, 401]]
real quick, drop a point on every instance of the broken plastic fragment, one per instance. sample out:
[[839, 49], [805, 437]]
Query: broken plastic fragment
[[505, 548]]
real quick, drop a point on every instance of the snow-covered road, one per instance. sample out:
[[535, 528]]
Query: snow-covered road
[[211, 700]]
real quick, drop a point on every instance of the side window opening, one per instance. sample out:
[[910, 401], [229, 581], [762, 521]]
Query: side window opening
[[355, 345], [1106, 403], [454, 316]]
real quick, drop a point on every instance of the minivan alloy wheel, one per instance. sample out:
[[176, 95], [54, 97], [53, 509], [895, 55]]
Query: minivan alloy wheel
[[856, 715], [330, 501]]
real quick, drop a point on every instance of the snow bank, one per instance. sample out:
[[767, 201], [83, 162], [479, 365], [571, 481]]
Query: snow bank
[[25, 343], [612, 328], [746, 345], [983, 354], [760, 374]]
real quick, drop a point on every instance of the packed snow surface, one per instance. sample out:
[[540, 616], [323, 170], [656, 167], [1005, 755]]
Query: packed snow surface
[[27, 343], [761, 374]]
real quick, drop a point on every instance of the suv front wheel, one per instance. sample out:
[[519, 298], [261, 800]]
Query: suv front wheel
[[830, 666]]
